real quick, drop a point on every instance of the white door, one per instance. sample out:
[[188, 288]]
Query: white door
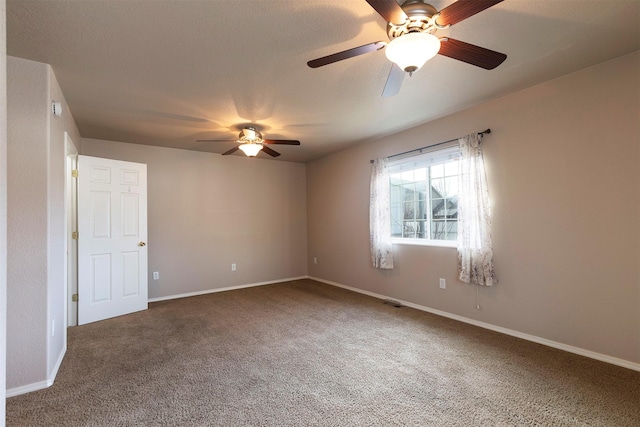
[[112, 236]]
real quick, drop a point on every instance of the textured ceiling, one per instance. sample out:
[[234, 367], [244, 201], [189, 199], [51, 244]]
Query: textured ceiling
[[169, 72]]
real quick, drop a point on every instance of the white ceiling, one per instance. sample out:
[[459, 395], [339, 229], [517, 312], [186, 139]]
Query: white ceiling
[[169, 72]]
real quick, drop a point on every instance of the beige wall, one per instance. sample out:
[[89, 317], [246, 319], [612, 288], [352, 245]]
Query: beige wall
[[207, 212], [27, 95], [564, 177], [35, 219]]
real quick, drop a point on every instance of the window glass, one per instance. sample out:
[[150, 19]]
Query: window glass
[[437, 171], [424, 196]]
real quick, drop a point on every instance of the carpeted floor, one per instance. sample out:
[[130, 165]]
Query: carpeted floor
[[304, 353]]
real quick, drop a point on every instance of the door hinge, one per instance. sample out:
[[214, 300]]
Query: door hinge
[[74, 173], [74, 297], [74, 235]]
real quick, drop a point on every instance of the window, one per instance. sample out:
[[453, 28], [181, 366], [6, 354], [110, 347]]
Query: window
[[424, 198]]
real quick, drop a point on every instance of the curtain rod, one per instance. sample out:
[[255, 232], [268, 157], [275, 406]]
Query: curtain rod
[[432, 145]]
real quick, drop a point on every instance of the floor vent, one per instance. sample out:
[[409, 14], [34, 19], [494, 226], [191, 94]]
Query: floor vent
[[393, 303]]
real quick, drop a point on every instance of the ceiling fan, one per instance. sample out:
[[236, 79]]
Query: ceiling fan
[[411, 28], [251, 143]]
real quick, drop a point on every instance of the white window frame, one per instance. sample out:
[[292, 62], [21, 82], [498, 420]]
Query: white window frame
[[426, 158]]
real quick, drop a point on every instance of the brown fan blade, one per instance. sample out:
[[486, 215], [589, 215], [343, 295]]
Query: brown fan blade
[[346, 54], [471, 54], [233, 150], [394, 81], [269, 151], [462, 9], [215, 140], [390, 10], [281, 141]]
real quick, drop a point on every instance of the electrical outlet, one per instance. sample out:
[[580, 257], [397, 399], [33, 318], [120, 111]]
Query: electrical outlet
[[156, 275], [233, 267], [315, 260], [443, 283]]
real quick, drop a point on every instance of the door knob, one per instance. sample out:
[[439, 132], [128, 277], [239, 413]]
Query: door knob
[[142, 244]]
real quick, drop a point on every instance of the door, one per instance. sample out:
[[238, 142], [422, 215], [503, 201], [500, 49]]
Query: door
[[112, 236]]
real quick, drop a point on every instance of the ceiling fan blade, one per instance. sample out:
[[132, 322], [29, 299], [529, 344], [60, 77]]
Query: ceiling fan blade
[[471, 54], [215, 140], [390, 10], [346, 54], [394, 81], [269, 151], [281, 141], [462, 9], [233, 150]]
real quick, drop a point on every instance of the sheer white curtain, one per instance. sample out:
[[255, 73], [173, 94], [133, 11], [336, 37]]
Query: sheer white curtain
[[380, 217], [475, 252]]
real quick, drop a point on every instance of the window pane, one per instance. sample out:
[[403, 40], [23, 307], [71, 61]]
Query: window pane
[[409, 210], [409, 229], [421, 209], [408, 192], [407, 176], [438, 208], [452, 230], [421, 190], [437, 171], [395, 194], [451, 168], [421, 231], [452, 208], [451, 186], [396, 211], [396, 228], [395, 179], [420, 174], [438, 230], [437, 188], [444, 230]]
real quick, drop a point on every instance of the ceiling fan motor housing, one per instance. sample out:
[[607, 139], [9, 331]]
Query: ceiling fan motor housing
[[421, 18], [250, 134]]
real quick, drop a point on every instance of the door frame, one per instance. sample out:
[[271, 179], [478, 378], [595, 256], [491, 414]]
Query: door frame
[[71, 225]]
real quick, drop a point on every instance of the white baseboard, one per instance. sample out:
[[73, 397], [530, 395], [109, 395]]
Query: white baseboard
[[16, 391], [229, 288], [560, 346], [28, 388], [56, 367]]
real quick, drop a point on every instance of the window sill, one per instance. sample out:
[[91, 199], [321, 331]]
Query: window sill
[[423, 242]]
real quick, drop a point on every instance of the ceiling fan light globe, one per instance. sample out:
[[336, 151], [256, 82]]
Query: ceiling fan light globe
[[251, 150], [411, 51]]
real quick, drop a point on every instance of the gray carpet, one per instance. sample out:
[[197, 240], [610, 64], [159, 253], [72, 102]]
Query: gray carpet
[[304, 353]]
